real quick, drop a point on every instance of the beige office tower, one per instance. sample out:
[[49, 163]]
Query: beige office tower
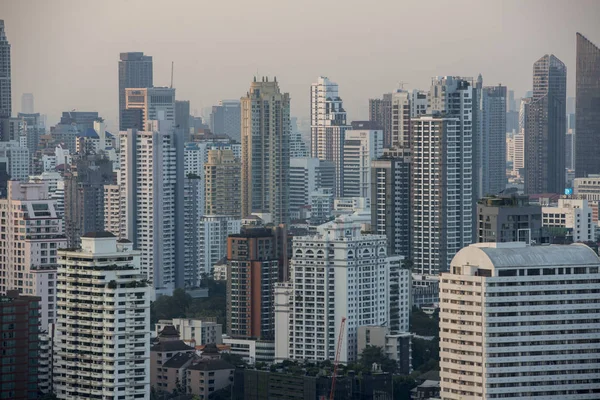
[[265, 151], [222, 184]]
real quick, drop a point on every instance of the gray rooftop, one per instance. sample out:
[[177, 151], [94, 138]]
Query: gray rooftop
[[525, 256]]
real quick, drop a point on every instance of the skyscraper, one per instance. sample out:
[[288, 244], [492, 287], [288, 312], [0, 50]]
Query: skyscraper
[[182, 117], [266, 151], [328, 126], [390, 200], [135, 71], [362, 144], [152, 185], [380, 112], [5, 83], [545, 128], [441, 199], [102, 302], [493, 141], [587, 114]]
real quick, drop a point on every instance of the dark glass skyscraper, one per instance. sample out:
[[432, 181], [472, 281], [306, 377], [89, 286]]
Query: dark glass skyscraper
[[545, 128], [587, 108], [5, 84], [135, 71]]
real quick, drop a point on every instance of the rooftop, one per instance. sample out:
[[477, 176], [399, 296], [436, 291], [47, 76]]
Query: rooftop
[[102, 234], [179, 360], [211, 365]]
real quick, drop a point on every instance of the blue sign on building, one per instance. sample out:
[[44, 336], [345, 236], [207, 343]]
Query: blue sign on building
[[569, 191]]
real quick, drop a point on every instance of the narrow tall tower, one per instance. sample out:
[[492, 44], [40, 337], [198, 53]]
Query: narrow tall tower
[[545, 128], [5, 84], [266, 151], [587, 111]]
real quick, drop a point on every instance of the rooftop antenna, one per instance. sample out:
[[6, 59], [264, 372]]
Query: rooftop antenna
[[172, 66]]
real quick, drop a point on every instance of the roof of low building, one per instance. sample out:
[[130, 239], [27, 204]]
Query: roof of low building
[[211, 365], [102, 234], [171, 345], [179, 360]]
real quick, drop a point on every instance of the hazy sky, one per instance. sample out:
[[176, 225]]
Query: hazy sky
[[66, 51]]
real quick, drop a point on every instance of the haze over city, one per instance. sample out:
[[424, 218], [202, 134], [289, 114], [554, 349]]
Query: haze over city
[[65, 52]]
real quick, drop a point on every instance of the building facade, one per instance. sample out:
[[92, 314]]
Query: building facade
[[441, 192], [308, 175], [157, 103], [102, 341], [222, 180], [492, 143], [587, 138], [336, 273], [362, 144], [32, 234], [265, 151], [328, 126], [545, 127], [135, 71], [5, 84], [213, 231], [390, 200], [573, 215], [519, 321], [225, 119], [152, 201]]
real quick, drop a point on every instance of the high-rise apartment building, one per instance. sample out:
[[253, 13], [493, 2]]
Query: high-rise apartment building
[[328, 126], [492, 143], [84, 196], [545, 128], [380, 112], [308, 175], [157, 103], [82, 120], [266, 151], [32, 232], [337, 273], [390, 200], [225, 119], [519, 322], [256, 260], [362, 144], [405, 105], [222, 184], [102, 334], [509, 219], [441, 198], [5, 83], [135, 71], [152, 184], [587, 114], [20, 346]]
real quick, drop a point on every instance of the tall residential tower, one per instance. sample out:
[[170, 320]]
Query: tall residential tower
[[135, 71]]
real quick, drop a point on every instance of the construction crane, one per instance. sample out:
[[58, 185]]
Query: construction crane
[[337, 358]]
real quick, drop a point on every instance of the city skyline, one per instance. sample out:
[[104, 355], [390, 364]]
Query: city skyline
[[510, 28]]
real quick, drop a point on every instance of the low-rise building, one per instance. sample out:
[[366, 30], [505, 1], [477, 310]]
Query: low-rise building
[[194, 332], [206, 376], [168, 346], [397, 346], [252, 351], [573, 215]]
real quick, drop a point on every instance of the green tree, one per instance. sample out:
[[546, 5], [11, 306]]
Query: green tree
[[375, 354], [425, 354]]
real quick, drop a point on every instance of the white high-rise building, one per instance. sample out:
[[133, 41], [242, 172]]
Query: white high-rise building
[[102, 334], [520, 322], [213, 233], [152, 204], [361, 146], [328, 126], [441, 191], [575, 215], [32, 232], [519, 153], [112, 210], [337, 273], [156, 103]]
